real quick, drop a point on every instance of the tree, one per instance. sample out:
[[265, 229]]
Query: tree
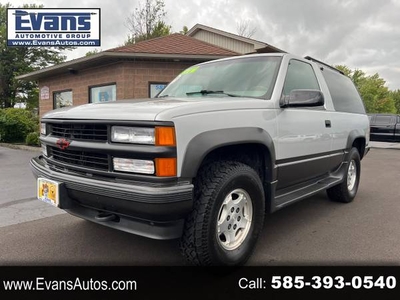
[[184, 30], [346, 70], [244, 28], [373, 90], [92, 52], [161, 29], [15, 61], [396, 98], [147, 22]]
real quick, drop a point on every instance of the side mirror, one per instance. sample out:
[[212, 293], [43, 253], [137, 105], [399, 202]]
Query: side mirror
[[303, 98]]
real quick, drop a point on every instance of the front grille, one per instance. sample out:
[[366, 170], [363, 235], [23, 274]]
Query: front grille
[[90, 132], [81, 158]]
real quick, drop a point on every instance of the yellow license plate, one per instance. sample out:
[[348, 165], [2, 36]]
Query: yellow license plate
[[47, 191]]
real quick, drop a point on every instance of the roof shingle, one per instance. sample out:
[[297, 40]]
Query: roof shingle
[[174, 44]]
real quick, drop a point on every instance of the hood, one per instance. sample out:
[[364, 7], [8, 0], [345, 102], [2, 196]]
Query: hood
[[162, 109]]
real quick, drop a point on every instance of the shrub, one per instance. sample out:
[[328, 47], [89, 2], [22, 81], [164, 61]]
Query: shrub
[[15, 124], [32, 139]]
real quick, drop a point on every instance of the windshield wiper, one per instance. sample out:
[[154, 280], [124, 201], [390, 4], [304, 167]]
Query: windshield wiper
[[206, 92], [163, 96]]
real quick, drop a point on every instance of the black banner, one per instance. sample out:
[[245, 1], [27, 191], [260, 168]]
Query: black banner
[[198, 283]]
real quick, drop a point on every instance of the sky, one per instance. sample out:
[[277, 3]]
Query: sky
[[362, 34]]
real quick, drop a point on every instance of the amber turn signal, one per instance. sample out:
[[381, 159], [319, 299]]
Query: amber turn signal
[[165, 136], [165, 167]]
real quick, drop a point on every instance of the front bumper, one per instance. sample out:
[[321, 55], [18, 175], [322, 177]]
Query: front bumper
[[153, 211]]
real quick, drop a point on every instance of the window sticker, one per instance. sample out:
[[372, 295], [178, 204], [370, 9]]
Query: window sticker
[[190, 70]]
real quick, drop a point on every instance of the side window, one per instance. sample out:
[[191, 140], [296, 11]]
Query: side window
[[344, 94], [300, 75], [383, 120]]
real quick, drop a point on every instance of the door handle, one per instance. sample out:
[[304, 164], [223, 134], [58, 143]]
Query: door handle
[[328, 123]]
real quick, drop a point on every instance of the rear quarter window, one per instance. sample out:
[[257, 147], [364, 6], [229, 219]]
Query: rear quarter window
[[344, 94]]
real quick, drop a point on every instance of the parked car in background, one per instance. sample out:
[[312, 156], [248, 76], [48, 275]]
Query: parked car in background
[[385, 127]]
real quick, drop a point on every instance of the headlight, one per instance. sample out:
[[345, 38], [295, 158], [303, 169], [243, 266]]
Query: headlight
[[133, 165], [159, 136], [43, 128], [135, 135]]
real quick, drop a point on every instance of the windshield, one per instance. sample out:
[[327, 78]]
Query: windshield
[[252, 77]]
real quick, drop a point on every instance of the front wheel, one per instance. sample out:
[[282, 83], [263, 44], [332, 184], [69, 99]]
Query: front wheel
[[227, 217], [347, 190]]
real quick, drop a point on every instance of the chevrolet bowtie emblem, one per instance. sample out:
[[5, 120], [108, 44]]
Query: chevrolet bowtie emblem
[[62, 144]]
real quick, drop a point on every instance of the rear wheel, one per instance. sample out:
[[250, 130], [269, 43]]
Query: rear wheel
[[346, 191], [227, 217]]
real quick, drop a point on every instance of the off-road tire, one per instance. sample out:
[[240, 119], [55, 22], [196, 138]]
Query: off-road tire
[[215, 181]]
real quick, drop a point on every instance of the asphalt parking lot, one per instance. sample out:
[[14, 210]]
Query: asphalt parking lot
[[312, 232]]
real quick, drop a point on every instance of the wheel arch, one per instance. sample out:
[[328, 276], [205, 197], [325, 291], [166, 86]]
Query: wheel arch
[[251, 146], [206, 143], [357, 139]]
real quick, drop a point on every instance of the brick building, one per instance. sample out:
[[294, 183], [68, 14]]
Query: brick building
[[136, 71]]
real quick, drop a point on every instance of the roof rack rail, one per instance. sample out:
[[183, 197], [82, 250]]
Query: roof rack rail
[[322, 63]]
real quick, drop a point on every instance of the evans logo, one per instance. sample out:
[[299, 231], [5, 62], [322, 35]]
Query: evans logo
[[53, 27], [50, 21]]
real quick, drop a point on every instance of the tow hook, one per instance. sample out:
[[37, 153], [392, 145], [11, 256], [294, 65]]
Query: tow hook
[[106, 217]]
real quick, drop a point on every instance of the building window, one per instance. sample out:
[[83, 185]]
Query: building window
[[155, 88], [103, 93], [62, 99]]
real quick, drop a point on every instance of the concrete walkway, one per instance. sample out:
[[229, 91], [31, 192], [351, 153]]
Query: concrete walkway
[[18, 203], [385, 145], [20, 147]]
